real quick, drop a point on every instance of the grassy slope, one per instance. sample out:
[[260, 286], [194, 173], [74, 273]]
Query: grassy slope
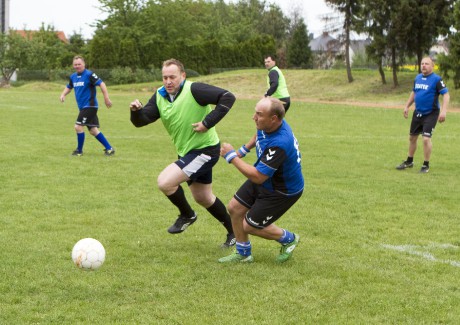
[[316, 85], [304, 85]]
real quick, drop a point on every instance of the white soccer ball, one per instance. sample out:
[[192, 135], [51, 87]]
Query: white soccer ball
[[88, 254]]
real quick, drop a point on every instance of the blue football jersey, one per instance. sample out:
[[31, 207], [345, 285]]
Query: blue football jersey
[[84, 85], [427, 90], [279, 158]]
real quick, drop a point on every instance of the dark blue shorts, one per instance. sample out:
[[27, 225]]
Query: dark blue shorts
[[198, 164], [265, 207]]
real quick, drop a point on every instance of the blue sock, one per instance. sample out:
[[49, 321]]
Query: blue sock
[[286, 238], [243, 248], [101, 138], [80, 141]]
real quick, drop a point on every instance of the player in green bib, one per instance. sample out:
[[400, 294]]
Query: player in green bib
[[184, 108], [276, 82]]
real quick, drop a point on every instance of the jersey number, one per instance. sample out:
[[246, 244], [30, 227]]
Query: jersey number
[[296, 146]]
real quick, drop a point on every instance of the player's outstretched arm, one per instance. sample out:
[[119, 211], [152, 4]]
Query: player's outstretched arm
[[143, 115]]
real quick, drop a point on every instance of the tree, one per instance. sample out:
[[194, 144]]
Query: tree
[[14, 54], [47, 50], [351, 10], [376, 23], [427, 20], [299, 52], [449, 65]]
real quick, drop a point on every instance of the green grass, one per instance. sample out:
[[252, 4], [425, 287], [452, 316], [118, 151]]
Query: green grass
[[367, 230]]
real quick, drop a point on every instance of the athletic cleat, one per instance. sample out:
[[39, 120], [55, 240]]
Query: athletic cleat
[[405, 165], [424, 169], [286, 250], [77, 153], [181, 224], [109, 152], [236, 258], [229, 242]]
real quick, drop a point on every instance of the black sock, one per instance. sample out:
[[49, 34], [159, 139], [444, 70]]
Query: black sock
[[410, 159], [426, 163], [219, 212], [180, 201]]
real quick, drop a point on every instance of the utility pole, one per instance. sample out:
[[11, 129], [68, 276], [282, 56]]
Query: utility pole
[[4, 15]]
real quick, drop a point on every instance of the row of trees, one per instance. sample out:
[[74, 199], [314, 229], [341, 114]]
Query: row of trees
[[204, 34], [141, 34], [398, 29], [208, 34]]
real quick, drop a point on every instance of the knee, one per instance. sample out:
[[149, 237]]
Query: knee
[[78, 128], [426, 140], [94, 131], [162, 184], [204, 199], [231, 208]]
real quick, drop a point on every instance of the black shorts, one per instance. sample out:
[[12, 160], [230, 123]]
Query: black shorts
[[198, 164], [265, 207], [286, 103], [88, 117], [424, 124]]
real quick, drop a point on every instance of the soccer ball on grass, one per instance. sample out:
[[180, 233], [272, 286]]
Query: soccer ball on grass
[[88, 254]]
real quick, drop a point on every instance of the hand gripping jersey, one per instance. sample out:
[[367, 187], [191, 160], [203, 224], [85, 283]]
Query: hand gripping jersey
[[280, 159], [84, 85], [427, 90]]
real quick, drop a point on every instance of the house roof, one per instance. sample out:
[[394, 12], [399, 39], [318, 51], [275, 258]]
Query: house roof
[[30, 33], [324, 42]]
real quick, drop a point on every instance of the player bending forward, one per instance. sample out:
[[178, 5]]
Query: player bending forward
[[274, 184]]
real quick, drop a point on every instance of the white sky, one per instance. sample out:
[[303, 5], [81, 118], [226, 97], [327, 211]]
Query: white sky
[[78, 15]]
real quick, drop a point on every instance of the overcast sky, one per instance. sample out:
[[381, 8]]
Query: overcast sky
[[77, 16]]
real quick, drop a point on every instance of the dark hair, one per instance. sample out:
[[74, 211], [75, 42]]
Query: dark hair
[[266, 56]]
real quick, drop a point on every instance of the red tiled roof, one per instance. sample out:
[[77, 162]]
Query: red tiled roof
[[29, 34]]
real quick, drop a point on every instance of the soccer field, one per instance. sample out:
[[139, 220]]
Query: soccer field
[[378, 246]]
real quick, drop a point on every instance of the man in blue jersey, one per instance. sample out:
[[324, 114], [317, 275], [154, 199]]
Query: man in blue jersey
[[84, 82], [275, 182], [184, 108], [425, 93]]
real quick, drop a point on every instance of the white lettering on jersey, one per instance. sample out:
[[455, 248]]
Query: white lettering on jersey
[[79, 84], [421, 86]]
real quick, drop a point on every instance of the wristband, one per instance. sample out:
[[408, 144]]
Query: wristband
[[243, 151], [230, 155]]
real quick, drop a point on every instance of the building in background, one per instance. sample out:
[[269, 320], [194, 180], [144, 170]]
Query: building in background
[[325, 49]]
